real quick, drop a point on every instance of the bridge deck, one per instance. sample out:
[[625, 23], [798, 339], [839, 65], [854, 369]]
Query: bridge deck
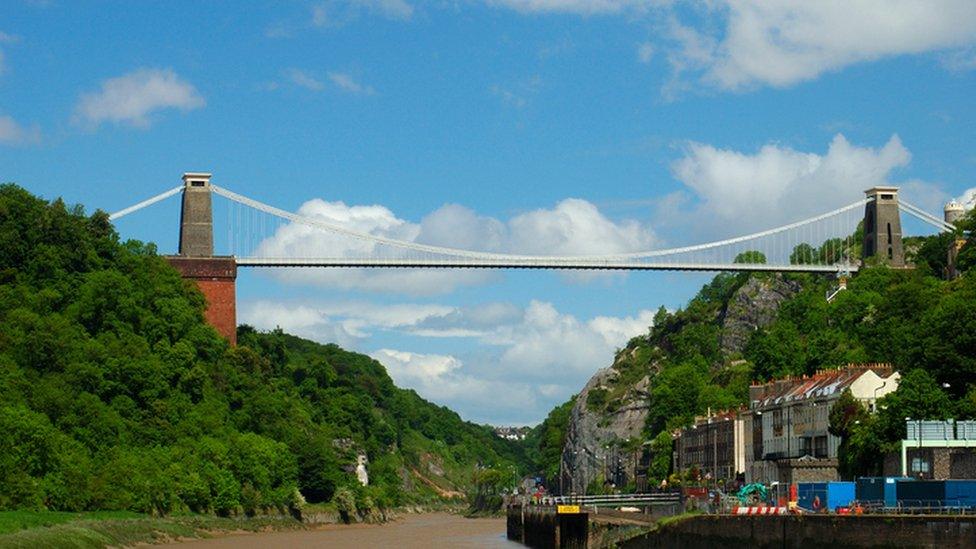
[[557, 264]]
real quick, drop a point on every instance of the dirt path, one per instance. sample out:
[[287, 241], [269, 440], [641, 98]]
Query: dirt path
[[412, 531]]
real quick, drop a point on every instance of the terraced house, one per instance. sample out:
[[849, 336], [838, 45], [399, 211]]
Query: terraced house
[[787, 438]]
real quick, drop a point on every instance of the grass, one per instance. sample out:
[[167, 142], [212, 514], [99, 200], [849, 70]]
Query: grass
[[120, 529], [12, 521]]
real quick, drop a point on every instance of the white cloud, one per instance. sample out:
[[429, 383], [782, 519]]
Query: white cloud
[[133, 97], [967, 198], [304, 80], [519, 362], [347, 83], [781, 43], [742, 191], [572, 227], [13, 133]]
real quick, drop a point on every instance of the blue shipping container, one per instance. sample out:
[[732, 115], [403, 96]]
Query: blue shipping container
[[960, 493], [829, 495], [921, 493], [870, 490], [891, 490]]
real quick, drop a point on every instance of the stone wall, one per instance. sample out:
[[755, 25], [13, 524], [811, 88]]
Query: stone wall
[[944, 463], [216, 277], [795, 531]]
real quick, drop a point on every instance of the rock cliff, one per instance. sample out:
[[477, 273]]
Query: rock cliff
[[604, 441]]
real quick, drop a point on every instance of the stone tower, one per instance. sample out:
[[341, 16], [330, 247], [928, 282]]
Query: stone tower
[[882, 227], [196, 216], [953, 212], [216, 276]]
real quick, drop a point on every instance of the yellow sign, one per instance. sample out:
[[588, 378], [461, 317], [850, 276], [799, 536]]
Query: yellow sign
[[568, 509]]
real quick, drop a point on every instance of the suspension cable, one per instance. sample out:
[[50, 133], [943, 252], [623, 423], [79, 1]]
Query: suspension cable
[[457, 252], [926, 217], [144, 203]]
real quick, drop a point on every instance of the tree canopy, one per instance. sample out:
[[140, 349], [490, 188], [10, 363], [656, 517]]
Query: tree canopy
[[115, 394]]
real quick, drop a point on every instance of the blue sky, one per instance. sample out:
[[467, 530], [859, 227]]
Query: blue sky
[[574, 126]]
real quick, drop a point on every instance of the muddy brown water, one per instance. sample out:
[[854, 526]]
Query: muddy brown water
[[412, 531]]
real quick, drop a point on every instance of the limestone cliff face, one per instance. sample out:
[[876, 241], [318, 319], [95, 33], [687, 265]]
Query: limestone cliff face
[[586, 454], [753, 306], [591, 430]]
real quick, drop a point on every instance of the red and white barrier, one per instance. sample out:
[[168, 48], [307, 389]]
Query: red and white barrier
[[763, 510]]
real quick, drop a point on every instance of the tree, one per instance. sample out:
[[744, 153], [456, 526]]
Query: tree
[[850, 421], [918, 397], [803, 254], [661, 448], [751, 257]]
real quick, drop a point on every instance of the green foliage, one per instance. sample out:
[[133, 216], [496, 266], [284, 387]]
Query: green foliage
[[544, 443], [751, 257], [661, 448], [115, 394]]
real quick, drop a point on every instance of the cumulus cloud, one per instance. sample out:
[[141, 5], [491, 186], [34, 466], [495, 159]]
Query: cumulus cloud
[[13, 133], [572, 227], [781, 43], [778, 184], [519, 361], [132, 98], [443, 380]]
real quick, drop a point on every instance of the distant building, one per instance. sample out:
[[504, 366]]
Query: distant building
[[512, 433], [787, 424], [714, 444], [936, 450]]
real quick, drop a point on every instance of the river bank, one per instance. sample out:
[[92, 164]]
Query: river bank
[[420, 531], [98, 530], [408, 527]]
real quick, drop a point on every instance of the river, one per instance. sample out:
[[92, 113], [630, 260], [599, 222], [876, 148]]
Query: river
[[411, 531]]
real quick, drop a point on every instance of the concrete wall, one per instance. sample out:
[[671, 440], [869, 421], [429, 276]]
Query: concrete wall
[[709, 532]]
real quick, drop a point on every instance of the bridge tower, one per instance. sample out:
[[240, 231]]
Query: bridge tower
[[882, 227], [216, 276]]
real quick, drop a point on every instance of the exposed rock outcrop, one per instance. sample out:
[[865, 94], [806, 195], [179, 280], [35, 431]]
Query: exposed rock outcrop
[[753, 306], [592, 443], [591, 430]]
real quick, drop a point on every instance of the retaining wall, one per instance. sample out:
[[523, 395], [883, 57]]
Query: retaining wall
[[811, 531]]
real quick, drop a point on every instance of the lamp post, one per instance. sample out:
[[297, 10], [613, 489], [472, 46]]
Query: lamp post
[[874, 399]]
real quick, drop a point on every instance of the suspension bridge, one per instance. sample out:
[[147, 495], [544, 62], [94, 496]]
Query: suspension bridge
[[259, 235]]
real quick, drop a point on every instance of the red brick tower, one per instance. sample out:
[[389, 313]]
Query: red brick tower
[[215, 275]]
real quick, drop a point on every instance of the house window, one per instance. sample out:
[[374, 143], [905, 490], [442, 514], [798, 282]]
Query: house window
[[887, 197], [197, 183], [889, 234], [920, 465], [777, 423], [820, 447]]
